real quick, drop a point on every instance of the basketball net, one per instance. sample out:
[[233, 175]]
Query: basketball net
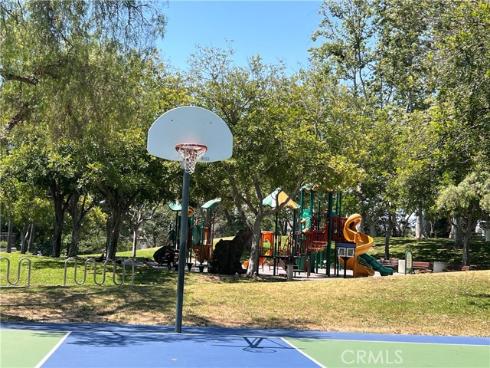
[[190, 154]]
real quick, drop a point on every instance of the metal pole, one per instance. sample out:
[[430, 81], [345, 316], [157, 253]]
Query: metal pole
[[340, 204], [182, 246], [276, 240], [336, 204], [295, 236], [330, 231], [319, 209]]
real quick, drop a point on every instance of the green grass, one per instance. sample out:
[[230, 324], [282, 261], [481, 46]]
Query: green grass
[[455, 303], [436, 249], [46, 271]]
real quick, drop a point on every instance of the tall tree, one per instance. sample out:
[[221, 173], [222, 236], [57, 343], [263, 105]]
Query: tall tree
[[273, 132], [466, 200]]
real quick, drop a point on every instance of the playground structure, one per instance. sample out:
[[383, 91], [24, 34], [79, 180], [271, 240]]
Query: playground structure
[[312, 237], [91, 262], [203, 234], [361, 263], [306, 240], [316, 235], [200, 235], [16, 283]]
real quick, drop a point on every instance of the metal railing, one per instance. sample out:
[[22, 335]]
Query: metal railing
[[95, 274], [23, 260]]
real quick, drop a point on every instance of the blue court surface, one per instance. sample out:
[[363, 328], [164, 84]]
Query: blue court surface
[[113, 345]]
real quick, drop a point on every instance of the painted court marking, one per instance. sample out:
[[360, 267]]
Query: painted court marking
[[113, 345], [364, 353], [301, 352], [51, 352]]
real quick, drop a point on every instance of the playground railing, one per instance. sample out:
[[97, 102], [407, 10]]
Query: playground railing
[[23, 260], [86, 270]]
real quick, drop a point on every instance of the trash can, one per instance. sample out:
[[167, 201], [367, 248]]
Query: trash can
[[439, 266]]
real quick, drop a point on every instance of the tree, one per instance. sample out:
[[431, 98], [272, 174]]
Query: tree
[[48, 167], [57, 69], [277, 141], [125, 174], [347, 28], [43, 46], [139, 214], [467, 201]]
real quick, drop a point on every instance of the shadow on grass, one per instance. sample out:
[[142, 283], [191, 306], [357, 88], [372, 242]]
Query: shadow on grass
[[90, 303]]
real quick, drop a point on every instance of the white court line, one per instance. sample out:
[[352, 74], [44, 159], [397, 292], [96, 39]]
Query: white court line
[[39, 365], [391, 342], [304, 354], [310, 338]]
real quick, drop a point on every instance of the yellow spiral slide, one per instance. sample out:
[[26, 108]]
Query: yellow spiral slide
[[363, 243]]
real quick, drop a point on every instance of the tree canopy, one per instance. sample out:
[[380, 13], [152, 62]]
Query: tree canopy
[[393, 110]]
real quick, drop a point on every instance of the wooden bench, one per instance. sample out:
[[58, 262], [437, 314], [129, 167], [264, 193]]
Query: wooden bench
[[422, 266], [419, 266]]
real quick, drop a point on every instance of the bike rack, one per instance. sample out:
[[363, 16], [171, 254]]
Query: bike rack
[[86, 270], [22, 260]]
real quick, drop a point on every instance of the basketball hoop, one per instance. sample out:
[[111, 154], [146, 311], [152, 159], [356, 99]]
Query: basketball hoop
[[190, 154], [212, 141]]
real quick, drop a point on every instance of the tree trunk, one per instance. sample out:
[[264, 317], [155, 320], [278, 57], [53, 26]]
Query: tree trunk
[[372, 228], [31, 236], [23, 233], [403, 229], [389, 230], [253, 262], [24, 237], [458, 232], [76, 219], [59, 214], [419, 225], [466, 244], [114, 231], [75, 239], [431, 229], [9, 235], [135, 241]]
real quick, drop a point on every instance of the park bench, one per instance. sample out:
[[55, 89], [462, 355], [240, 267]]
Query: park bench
[[419, 266], [422, 266]]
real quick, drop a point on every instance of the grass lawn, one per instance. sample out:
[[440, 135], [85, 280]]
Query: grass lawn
[[435, 249], [456, 303]]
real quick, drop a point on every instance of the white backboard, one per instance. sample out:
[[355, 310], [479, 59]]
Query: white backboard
[[190, 124]]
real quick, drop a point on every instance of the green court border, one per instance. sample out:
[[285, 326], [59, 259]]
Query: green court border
[[333, 353], [37, 345]]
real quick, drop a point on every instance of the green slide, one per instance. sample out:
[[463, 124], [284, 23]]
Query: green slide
[[375, 265]]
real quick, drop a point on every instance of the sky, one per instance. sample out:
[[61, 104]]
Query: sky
[[277, 30]]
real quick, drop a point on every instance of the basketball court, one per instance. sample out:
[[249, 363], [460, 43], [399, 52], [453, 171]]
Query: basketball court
[[112, 345]]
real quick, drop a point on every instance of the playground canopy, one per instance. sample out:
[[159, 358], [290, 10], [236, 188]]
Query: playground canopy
[[277, 198], [211, 204], [175, 206]]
